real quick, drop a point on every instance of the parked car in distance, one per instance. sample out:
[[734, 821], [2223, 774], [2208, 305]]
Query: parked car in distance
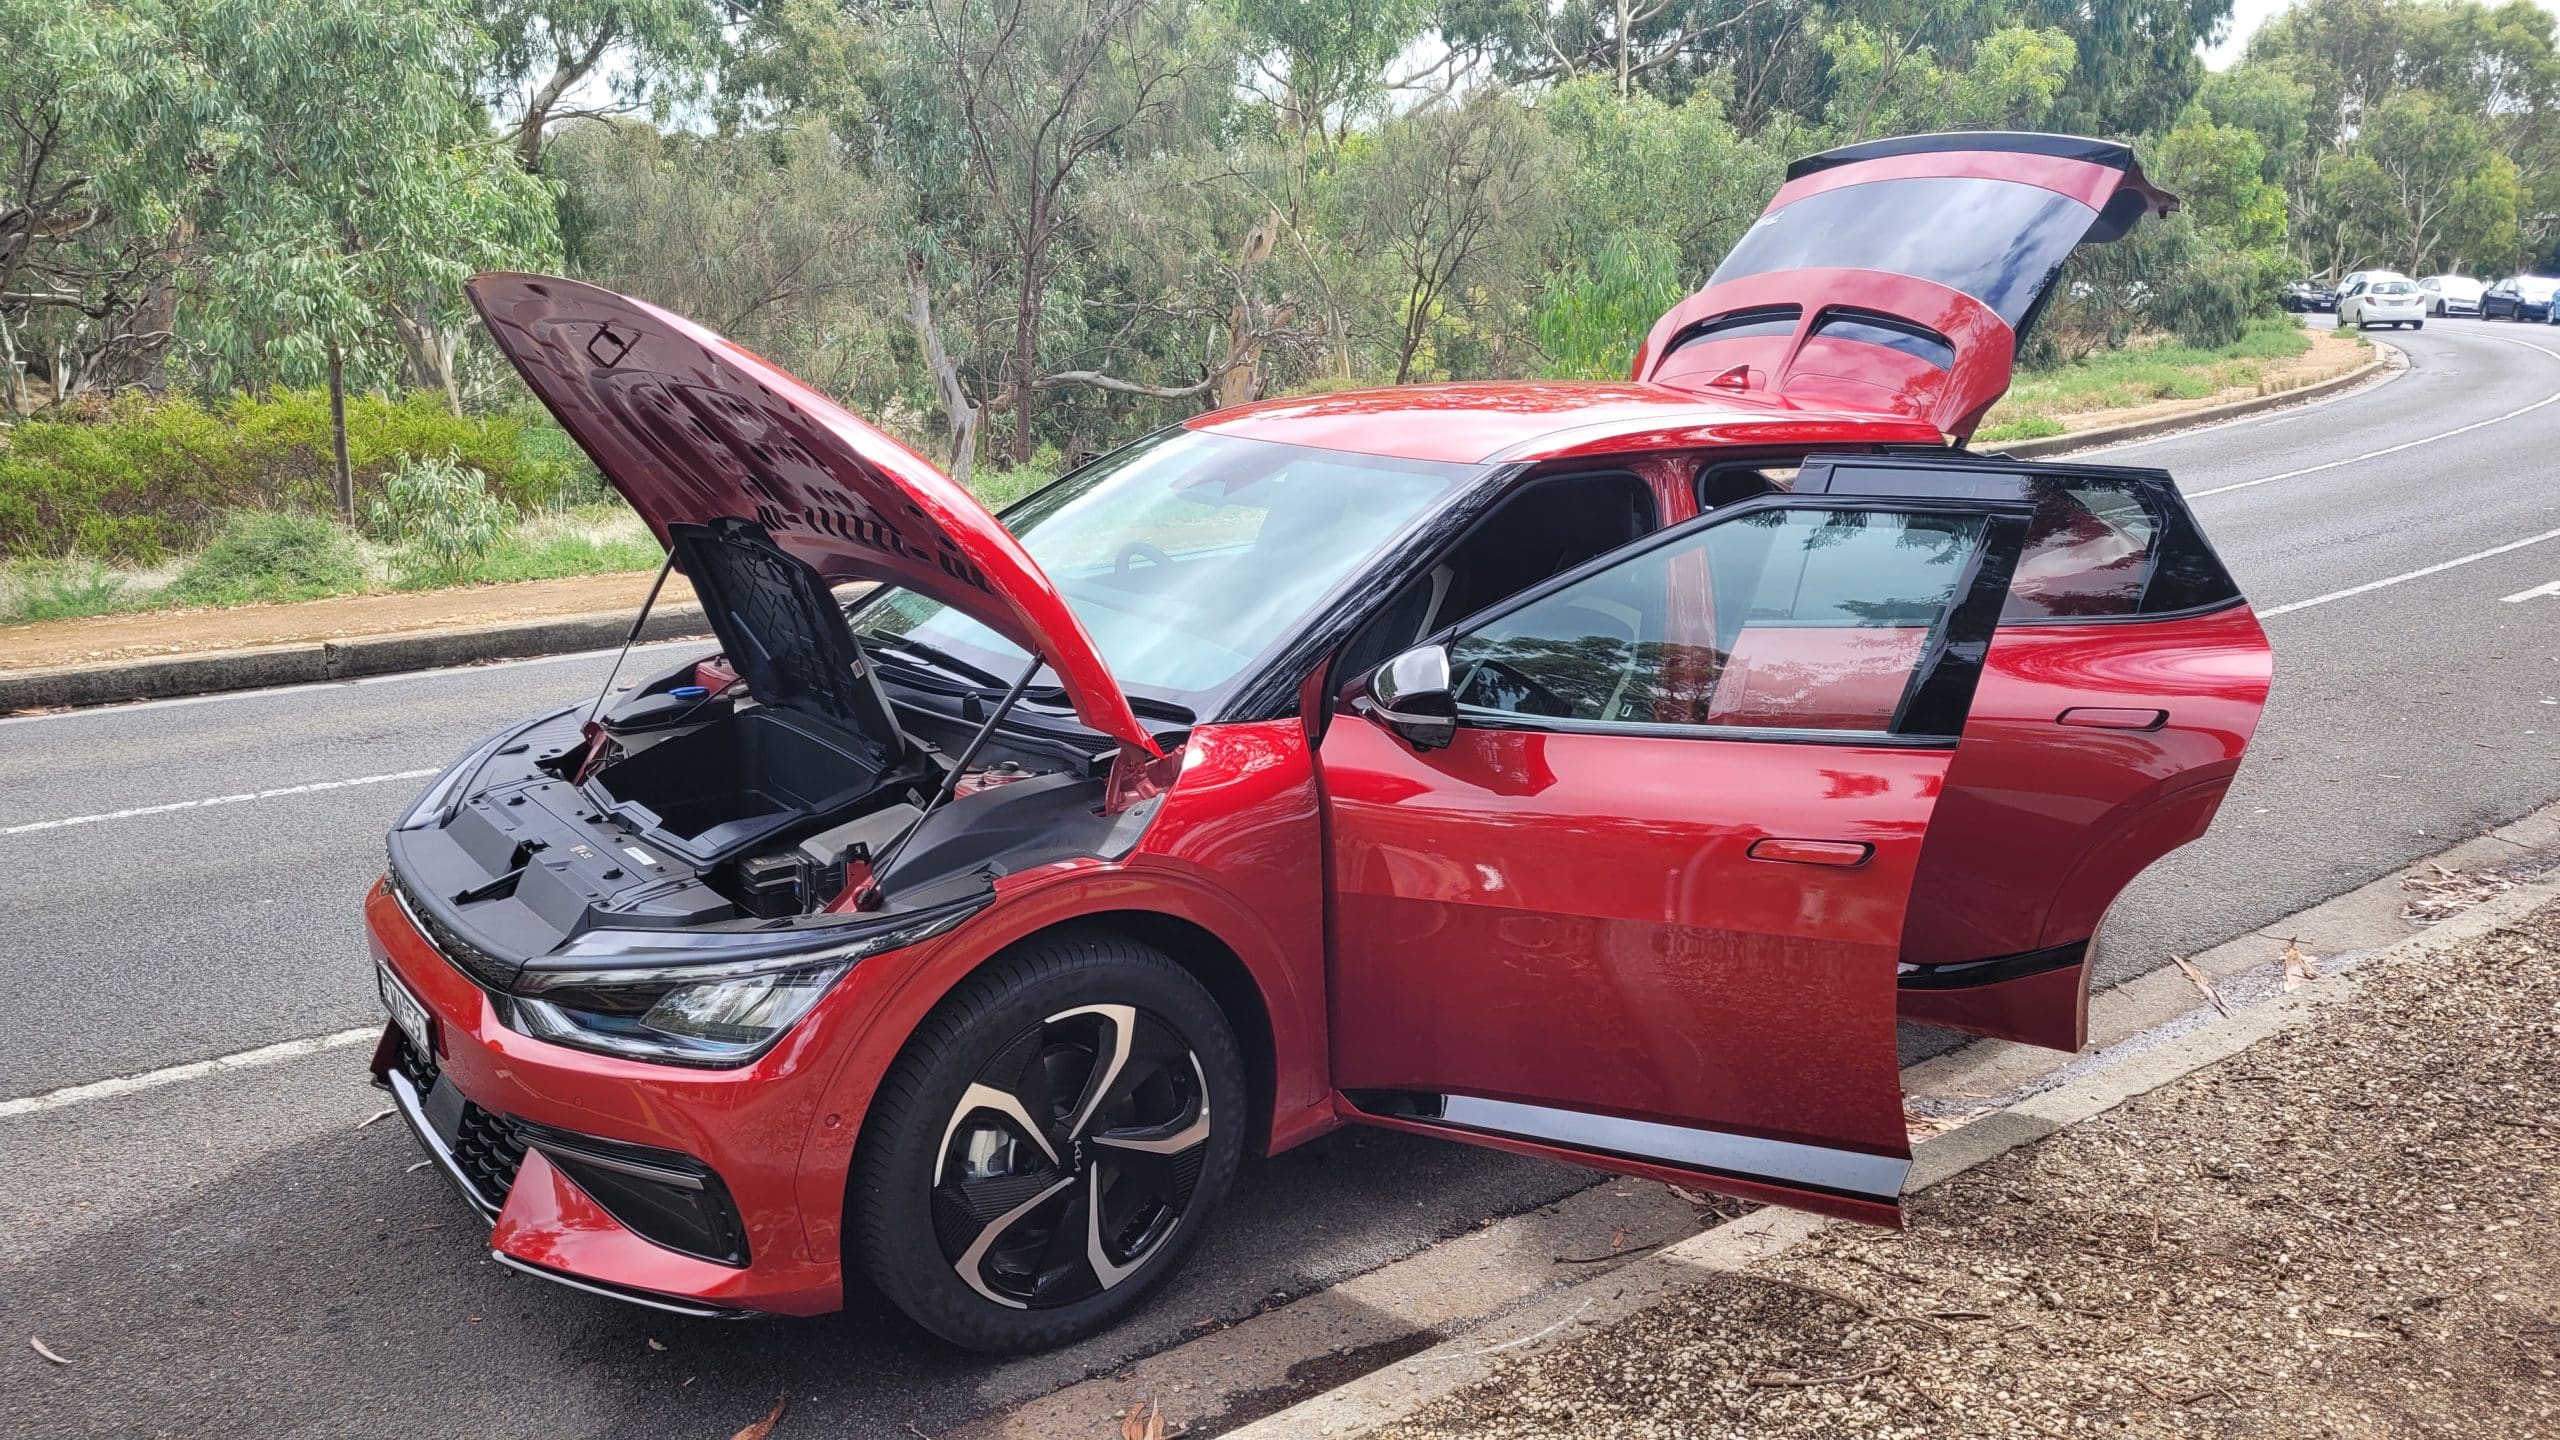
[[2310, 297], [2519, 297], [2382, 297], [2452, 294], [1589, 770]]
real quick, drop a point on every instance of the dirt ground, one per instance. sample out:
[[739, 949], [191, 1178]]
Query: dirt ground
[[2350, 1230], [178, 632]]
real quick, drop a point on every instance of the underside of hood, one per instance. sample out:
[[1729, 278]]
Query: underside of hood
[[698, 432]]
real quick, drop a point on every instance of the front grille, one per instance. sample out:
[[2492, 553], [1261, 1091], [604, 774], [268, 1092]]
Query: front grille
[[468, 958], [488, 1149], [416, 1065], [486, 1144]]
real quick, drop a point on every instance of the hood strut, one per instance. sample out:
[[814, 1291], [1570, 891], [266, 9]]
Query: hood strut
[[950, 784], [646, 605]]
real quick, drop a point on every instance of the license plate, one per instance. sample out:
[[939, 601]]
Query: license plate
[[405, 1010]]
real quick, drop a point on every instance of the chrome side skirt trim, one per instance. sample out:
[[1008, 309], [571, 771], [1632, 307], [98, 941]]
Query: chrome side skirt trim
[[649, 1299], [413, 1113], [1791, 1164]]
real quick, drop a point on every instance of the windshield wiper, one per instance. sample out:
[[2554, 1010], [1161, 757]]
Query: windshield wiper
[[935, 656]]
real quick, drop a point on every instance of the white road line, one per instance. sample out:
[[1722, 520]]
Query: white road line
[[275, 1054], [2552, 398], [2536, 593], [2438, 568], [210, 801]]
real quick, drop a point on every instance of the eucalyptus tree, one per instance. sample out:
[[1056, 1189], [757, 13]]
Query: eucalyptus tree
[[333, 181]]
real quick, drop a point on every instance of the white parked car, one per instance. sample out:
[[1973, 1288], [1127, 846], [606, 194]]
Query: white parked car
[[2380, 297], [2452, 294]]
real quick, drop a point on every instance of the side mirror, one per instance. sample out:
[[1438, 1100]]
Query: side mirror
[[1411, 696]]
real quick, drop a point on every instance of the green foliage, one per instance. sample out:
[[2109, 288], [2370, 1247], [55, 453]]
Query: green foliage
[[270, 555], [147, 478], [33, 590], [1593, 316], [540, 550], [441, 516]]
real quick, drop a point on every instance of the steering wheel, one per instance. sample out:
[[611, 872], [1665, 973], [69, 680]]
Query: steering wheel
[[1138, 550]]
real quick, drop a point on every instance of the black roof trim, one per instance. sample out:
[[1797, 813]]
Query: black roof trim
[[2110, 153]]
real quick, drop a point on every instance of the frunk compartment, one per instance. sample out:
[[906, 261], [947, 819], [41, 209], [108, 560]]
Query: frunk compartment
[[710, 793]]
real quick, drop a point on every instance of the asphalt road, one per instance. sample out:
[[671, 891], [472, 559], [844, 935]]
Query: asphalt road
[[234, 1250]]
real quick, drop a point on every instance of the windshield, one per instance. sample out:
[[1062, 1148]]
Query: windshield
[[1997, 241], [1188, 555]]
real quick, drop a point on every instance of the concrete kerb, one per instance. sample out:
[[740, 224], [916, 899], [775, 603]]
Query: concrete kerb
[[1400, 1389], [166, 677]]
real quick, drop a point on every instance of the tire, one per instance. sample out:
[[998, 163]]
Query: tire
[[989, 1262], [2417, 324]]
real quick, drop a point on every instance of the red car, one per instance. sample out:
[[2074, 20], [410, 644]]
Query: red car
[[1596, 771]]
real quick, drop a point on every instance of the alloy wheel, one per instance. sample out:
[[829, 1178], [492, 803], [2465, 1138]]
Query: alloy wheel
[[1071, 1157]]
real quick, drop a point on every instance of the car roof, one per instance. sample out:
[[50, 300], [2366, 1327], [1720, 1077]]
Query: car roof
[[1486, 421]]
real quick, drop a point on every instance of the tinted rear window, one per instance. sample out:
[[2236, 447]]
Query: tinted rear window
[[2106, 546], [1995, 240]]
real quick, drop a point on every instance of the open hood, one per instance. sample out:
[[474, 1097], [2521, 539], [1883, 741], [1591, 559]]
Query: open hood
[[701, 435], [1897, 276]]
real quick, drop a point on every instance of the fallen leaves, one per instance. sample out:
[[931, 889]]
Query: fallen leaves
[[376, 1115], [2297, 967], [2196, 978], [764, 1427], [1789, 1379], [1142, 1421], [2447, 892], [45, 1350]]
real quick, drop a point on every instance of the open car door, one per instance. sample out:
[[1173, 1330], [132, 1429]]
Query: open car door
[[2120, 691], [1617, 913], [1899, 275]]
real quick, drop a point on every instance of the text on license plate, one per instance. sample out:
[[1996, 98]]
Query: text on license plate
[[405, 1010]]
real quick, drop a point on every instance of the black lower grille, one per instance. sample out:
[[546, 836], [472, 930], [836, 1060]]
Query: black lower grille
[[488, 1149], [417, 1066]]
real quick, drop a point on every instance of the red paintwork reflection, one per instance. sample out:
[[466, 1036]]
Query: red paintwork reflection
[[1532, 420], [1571, 920], [1830, 373], [2044, 823], [691, 429]]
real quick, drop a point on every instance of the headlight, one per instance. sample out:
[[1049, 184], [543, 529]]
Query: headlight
[[715, 1014], [718, 1022]]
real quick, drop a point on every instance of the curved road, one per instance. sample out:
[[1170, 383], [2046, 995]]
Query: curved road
[[233, 1247]]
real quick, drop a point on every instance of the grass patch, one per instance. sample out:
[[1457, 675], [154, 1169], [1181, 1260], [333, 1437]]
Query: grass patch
[[269, 555], [594, 542], [33, 590], [2141, 375]]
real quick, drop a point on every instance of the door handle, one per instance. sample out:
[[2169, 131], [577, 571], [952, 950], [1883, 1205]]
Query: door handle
[[2101, 717], [1842, 853]]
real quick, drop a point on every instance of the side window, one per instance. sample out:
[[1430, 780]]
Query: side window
[[2108, 546], [1795, 619]]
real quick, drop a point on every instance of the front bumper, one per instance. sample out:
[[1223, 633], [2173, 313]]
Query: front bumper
[[512, 1122]]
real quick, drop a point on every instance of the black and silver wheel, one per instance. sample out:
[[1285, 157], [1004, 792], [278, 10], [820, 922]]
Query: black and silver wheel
[[1049, 1145]]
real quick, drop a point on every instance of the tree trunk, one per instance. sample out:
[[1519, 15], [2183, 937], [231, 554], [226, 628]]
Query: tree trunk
[[338, 435], [959, 413], [430, 348], [1026, 360]]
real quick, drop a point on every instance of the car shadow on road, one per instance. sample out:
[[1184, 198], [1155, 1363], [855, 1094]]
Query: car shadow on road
[[327, 1289]]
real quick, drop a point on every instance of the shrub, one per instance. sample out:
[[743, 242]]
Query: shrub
[[270, 555], [143, 477], [440, 514]]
